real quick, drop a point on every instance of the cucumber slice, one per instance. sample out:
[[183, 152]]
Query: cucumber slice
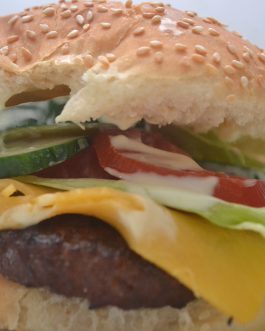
[[28, 150]]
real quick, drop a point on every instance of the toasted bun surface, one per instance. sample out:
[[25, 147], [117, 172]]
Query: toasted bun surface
[[23, 309], [126, 62]]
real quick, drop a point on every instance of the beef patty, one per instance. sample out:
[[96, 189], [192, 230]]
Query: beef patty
[[79, 256]]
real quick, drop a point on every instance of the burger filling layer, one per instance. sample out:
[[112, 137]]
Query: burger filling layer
[[69, 178]]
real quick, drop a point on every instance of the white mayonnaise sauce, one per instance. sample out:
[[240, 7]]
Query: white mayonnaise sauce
[[37, 111], [202, 185], [136, 150]]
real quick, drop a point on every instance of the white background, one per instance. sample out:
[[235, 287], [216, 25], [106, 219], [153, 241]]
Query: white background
[[245, 16]]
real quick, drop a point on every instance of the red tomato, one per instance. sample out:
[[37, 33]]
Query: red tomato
[[83, 165], [231, 189]]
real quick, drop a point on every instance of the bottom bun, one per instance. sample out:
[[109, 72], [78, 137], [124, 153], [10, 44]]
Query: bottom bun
[[23, 309]]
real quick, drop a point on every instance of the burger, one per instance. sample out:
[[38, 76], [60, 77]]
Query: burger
[[132, 166]]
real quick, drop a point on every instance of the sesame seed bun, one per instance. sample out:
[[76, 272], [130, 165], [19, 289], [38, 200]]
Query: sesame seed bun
[[25, 309], [126, 63]]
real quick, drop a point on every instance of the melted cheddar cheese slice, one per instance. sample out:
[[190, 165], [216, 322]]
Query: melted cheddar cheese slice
[[225, 267]]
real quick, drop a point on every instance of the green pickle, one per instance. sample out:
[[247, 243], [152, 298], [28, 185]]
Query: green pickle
[[210, 151], [28, 150]]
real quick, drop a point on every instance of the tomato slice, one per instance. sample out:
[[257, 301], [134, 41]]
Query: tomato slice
[[231, 189]]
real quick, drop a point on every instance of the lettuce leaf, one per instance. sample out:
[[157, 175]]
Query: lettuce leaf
[[216, 211]]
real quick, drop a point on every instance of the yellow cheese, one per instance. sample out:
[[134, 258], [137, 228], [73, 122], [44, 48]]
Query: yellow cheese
[[27, 189], [224, 267]]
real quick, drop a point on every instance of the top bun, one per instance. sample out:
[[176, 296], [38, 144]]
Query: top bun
[[126, 63]]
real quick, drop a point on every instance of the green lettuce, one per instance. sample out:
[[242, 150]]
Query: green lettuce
[[216, 211]]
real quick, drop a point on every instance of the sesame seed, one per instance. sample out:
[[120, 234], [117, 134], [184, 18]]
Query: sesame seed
[[111, 57], [88, 4], [216, 58], [214, 20], [188, 20], [191, 13], [197, 58], [251, 53], [244, 81], [27, 18], [246, 56], [64, 7], [142, 51], [105, 25], [237, 34], [80, 20], [52, 35], [73, 34], [197, 29], [44, 28], [13, 20], [183, 25], [148, 15], [86, 27], [102, 9], [238, 64], [103, 60], [200, 50], [90, 16], [160, 10], [261, 56], [213, 32], [180, 47], [12, 39], [139, 31], [74, 8], [206, 20], [4, 50], [156, 19], [116, 11], [156, 44], [229, 70], [159, 57], [66, 14], [66, 49], [50, 11], [31, 34], [232, 49], [128, 4], [88, 60], [26, 54]]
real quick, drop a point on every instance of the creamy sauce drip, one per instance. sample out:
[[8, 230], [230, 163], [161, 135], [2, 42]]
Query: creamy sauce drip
[[136, 150], [202, 185]]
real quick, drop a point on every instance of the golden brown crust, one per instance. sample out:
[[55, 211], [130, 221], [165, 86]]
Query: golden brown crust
[[52, 45], [23, 309]]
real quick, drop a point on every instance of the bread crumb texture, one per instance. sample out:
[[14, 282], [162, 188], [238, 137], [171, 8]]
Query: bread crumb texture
[[23, 309]]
